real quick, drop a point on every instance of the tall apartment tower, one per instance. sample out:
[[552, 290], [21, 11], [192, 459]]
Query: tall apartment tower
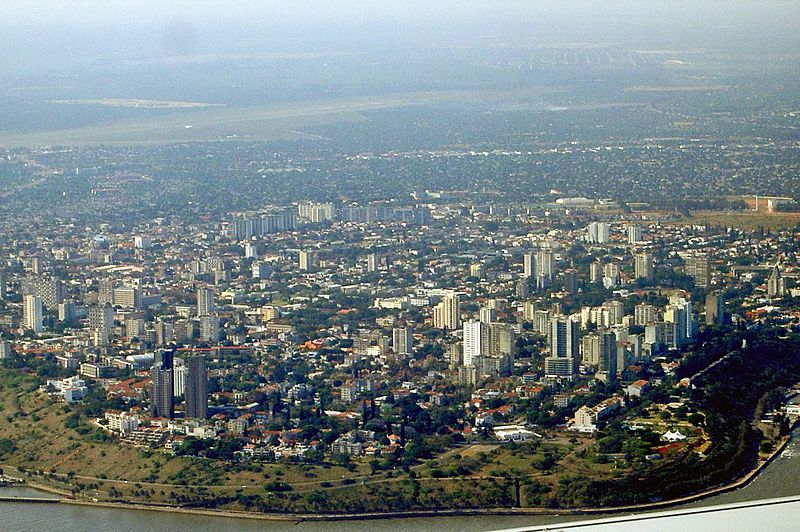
[[715, 305], [3, 285], [698, 267], [403, 340], [776, 285], [205, 301], [607, 354], [528, 266], [447, 314], [643, 266], [596, 272], [565, 348], [32, 313], [101, 321], [474, 339], [196, 387], [372, 262], [162, 402], [597, 233], [306, 260], [634, 233], [487, 315], [544, 268]]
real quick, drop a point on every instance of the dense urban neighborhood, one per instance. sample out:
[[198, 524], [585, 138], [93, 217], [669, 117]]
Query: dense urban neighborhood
[[442, 353]]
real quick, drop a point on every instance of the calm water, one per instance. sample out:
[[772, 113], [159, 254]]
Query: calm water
[[778, 480]]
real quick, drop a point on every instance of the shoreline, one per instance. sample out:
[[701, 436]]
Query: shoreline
[[735, 484]]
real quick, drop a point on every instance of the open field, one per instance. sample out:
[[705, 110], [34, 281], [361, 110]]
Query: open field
[[272, 122], [747, 220]]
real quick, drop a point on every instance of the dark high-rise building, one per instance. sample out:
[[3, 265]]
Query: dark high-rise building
[[165, 358], [715, 305], [571, 281], [196, 392], [161, 396]]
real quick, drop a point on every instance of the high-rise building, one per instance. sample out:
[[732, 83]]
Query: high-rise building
[[474, 339], [607, 354], [447, 313], [528, 266], [597, 233], [487, 315], [101, 321], [571, 281], [529, 311], [596, 272], [32, 313], [179, 374], [372, 262], [544, 268], [476, 270], [643, 266], [209, 328], [564, 337], [48, 289], [564, 347], [205, 302], [634, 234], [67, 311], [3, 285], [645, 314], [502, 339], [106, 292], [250, 251], [127, 297], [776, 285], [5, 349], [610, 274], [715, 308], [522, 289], [261, 270], [165, 332], [679, 312], [142, 242], [162, 403], [698, 267], [196, 389], [134, 327], [315, 212], [306, 260], [164, 358], [403, 340]]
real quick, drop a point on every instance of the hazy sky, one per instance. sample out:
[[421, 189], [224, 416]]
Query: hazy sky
[[129, 28]]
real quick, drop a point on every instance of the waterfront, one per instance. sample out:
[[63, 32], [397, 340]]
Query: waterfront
[[777, 480]]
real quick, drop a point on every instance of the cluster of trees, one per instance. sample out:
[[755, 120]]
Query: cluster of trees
[[728, 393]]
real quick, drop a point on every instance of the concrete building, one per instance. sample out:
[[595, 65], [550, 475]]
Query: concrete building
[[697, 265], [447, 313], [403, 340], [196, 387], [205, 302], [644, 266], [565, 350], [474, 338], [715, 308], [32, 313]]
